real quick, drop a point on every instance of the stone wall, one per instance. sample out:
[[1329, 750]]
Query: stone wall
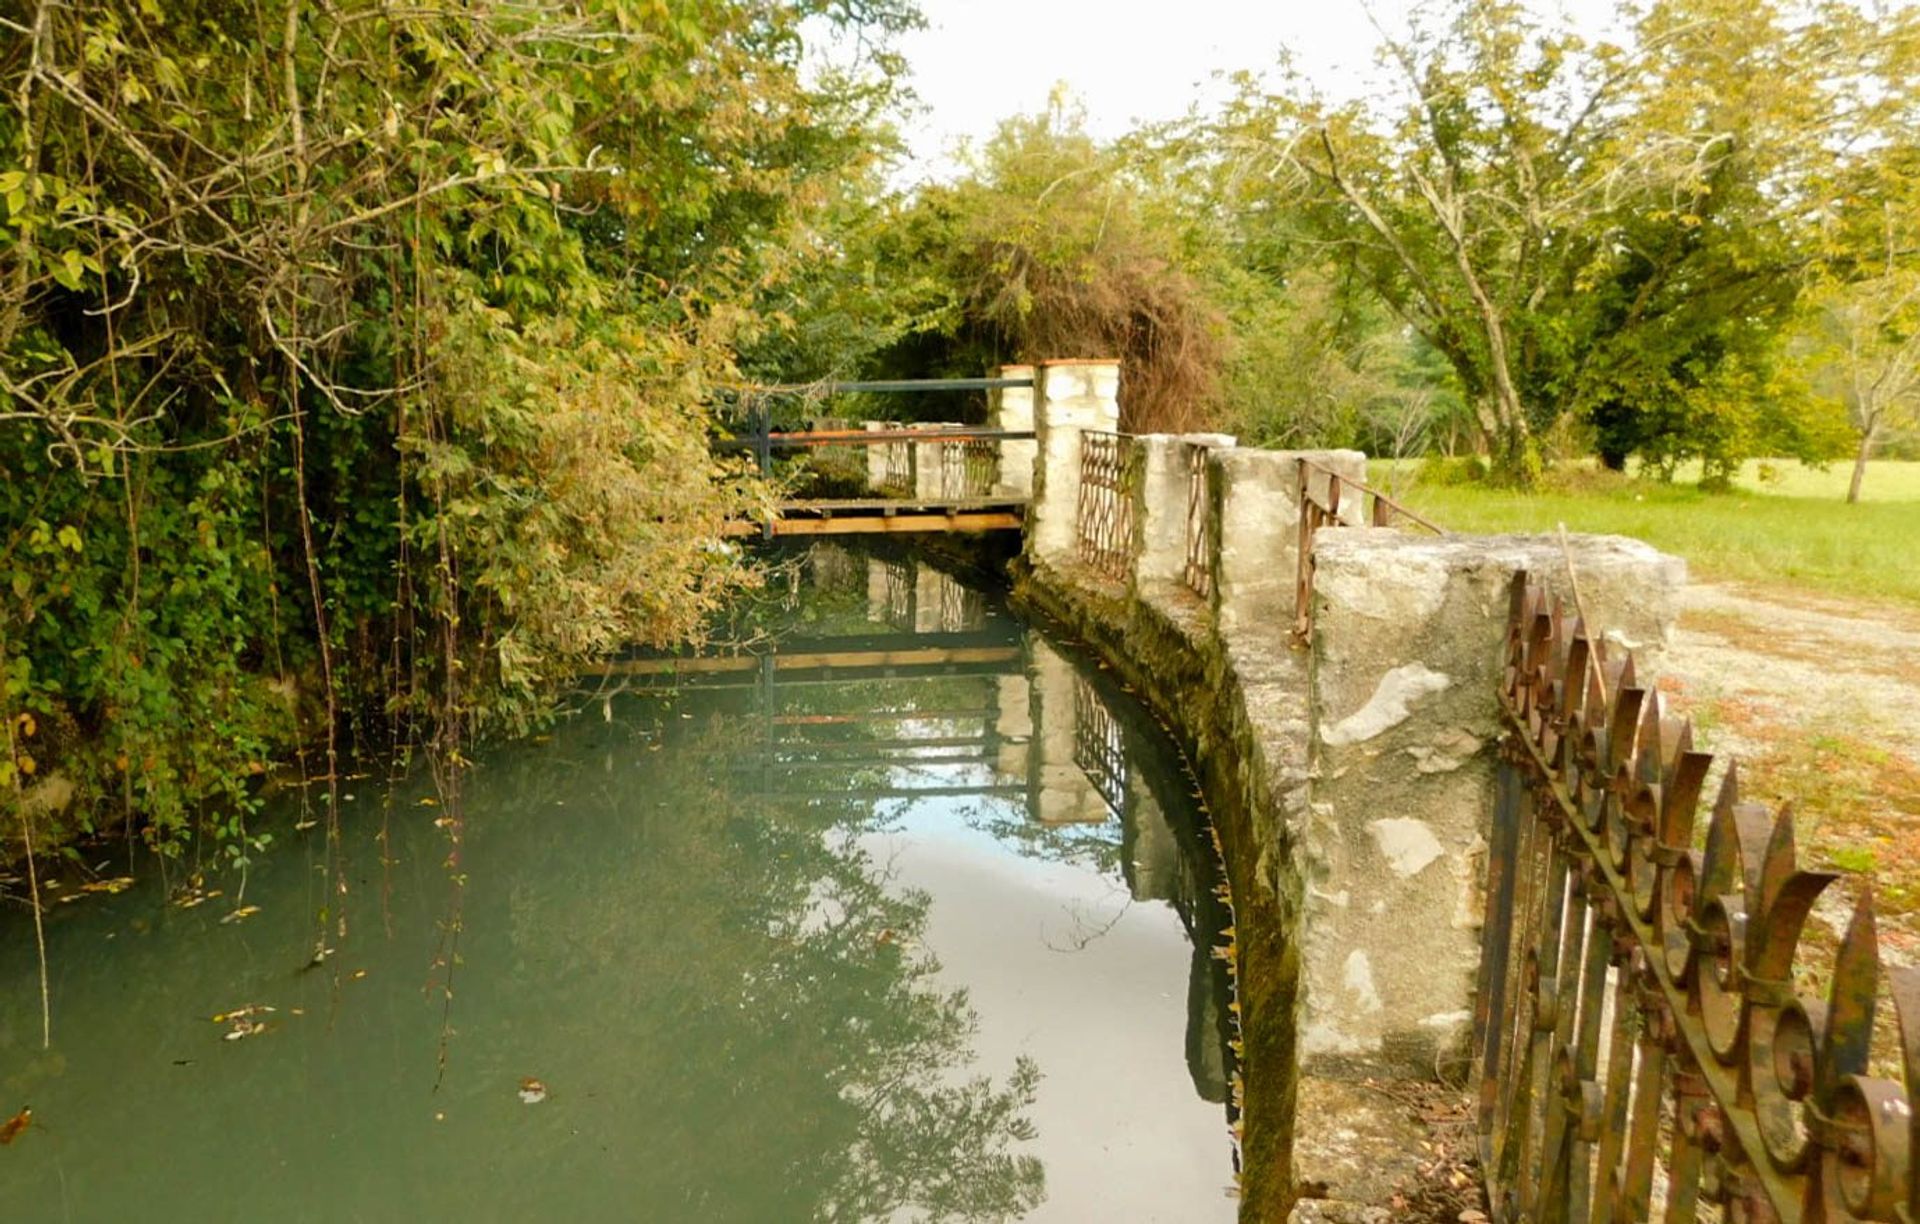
[[1349, 774]]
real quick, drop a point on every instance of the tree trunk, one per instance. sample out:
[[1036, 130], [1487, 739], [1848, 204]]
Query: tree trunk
[[1860, 465]]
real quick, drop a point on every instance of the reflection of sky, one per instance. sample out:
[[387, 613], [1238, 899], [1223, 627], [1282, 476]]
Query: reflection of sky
[[1063, 968]]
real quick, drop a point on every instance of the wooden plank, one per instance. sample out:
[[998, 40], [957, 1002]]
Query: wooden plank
[[813, 658], [901, 524], [941, 505]]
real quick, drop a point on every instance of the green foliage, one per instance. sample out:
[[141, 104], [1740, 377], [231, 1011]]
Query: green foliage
[[1055, 246], [1583, 229], [354, 362]]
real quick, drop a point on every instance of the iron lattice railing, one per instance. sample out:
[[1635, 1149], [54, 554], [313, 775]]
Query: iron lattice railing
[[1109, 472], [1321, 490], [1640, 1040], [1099, 746], [969, 468], [896, 469], [1199, 570]]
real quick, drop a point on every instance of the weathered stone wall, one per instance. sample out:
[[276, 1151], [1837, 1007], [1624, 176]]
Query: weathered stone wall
[[1407, 648], [1012, 408], [1070, 396], [1349, 776], [1256, 541]]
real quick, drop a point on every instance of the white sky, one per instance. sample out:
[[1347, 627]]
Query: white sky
[[1129, 60]]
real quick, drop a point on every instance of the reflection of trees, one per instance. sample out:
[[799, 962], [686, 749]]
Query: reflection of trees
[[771, 985]]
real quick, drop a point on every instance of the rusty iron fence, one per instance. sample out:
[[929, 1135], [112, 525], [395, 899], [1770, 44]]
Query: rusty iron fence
[[890, 470], [1323, 492], [969, 467], [1199, 567], [1103, 517], [1646, 1039]]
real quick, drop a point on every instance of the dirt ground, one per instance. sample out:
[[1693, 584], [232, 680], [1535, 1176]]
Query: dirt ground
[[1819, 701]]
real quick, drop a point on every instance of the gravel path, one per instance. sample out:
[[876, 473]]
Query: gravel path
[[1805, 664], [1807, 668]]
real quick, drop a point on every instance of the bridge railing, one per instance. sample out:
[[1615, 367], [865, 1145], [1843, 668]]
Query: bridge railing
[[1322, 492], [1198, 572], [1646, 1033], [1104, 516]]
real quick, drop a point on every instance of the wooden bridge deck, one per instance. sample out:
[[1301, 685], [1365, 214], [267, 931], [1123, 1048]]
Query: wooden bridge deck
[[887, 515]]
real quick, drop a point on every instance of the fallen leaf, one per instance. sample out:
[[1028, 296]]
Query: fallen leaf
[[532, 1091], [245, 911], [11, 1128]]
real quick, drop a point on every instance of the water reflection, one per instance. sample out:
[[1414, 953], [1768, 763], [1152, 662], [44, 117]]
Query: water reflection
[[846, 927]]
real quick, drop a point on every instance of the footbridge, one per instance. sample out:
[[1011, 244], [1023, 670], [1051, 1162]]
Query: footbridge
[[912, 477]]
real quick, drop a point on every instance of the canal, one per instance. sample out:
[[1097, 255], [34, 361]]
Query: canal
[[894, 910]]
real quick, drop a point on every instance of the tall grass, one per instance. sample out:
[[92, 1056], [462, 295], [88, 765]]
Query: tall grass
[[1792, 529]]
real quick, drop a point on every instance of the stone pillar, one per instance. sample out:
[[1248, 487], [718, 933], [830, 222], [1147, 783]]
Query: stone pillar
[[929, 467], [1407, 651], [1063, 794], [1012, 408], [1071, 396], [1160, 506], [1256, 539]]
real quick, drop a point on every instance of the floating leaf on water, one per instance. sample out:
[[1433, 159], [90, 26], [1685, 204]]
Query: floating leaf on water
[[241, 1013], [532, 1091], [116, 885], [429, 801], [11, 1128], [245, 911], [358, 974]]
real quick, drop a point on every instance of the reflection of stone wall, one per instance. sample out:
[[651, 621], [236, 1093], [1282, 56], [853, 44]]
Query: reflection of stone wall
[[1012, 724], [914, 598], [1063, 794], [1154, 864], [890, 593]]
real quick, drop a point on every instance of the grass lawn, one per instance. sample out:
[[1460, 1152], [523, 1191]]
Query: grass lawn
[[1786, 528]]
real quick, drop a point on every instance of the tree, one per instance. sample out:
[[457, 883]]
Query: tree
[[1056, 246], [1578, 228], [366, 353], [1866, 330]]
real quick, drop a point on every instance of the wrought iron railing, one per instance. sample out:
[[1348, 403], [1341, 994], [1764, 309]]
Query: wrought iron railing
[[893, 471], [1109, 470], [1642, 1042], [969, 467], [1199, 568], [1320, 507]]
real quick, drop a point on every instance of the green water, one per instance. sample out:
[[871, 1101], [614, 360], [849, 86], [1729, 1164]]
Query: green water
[[894, 922]]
